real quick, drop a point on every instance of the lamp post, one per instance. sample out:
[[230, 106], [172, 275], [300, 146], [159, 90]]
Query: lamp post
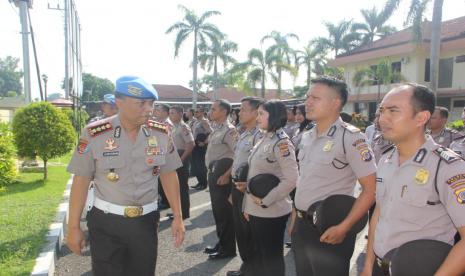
[[45, 79]]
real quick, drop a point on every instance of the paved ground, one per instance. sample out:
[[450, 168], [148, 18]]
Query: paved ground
[[189, 259]]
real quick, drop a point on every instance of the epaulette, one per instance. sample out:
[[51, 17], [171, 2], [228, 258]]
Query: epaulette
[[162, 127], [457, 134], [309, 126], [389, 148], [350, 128], [281, 134], [99, 127], [447, 155]]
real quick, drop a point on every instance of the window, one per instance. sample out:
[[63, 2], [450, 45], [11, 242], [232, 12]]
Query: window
[[459, 103], [446, 70], [396, 70], [460, 59]]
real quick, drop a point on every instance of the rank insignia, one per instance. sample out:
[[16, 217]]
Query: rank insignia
[[99, 129], [328, 146], [149, 161], [421, 177], [366, 154], [136, 91], [111, 144], [152, 141], [284, 149], [460, 194], [162, 127], [82, 146]]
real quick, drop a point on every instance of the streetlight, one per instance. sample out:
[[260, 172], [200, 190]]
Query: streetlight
[[45, 78]]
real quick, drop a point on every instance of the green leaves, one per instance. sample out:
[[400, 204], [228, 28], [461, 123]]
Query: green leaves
[[10, 77]]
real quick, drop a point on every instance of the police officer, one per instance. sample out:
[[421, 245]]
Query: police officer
[[291, 124], [221, 144], [438, 130], [108, 108], [332, 157], [274, 155], [124, 155], [459, 145], [420, 192], [247, 140], [201, 130], [184, 142]]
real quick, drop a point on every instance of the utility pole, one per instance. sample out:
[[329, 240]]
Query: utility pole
[[435, 45], [45, 78], [23, 5]]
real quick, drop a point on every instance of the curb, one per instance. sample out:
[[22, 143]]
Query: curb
[[45, 262]]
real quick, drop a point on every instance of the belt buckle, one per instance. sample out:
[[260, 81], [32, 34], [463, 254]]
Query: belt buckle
[[133, 211]]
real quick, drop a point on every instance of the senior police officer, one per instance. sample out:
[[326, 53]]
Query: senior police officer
[[420, 192], [438, 130], [201, 129], [221, 144], [124, 155], [247, 140], [184, 142], [333, 155]]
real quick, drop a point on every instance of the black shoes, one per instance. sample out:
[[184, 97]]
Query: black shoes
[[199, 187], [288, 244], [220, 255], [234, 273], [211, 249]]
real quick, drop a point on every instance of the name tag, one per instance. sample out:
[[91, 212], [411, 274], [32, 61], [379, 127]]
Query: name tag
[[111, 153]]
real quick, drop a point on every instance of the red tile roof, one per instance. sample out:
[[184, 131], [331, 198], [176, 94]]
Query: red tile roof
[[234, 95], [167, 92]]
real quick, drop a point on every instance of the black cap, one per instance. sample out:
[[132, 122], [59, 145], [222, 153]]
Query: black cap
[[261, 184], [419, 257], [201, 137], [219, 167], [241, 173], [332, 211]]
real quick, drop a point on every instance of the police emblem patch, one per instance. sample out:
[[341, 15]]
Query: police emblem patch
[[328, 146], [421, 176], [366, 155], [136, 91], [82, 146], [284, 149], [460, 194]]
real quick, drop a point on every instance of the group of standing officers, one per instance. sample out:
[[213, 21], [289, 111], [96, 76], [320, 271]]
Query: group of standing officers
[[271, 168]]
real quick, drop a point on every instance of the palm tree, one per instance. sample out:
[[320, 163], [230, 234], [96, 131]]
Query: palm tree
[[339, 37], [373, 27], [196, 25], [279, 56], [381, 74], [209, 56], [257, 63], [312, 52]]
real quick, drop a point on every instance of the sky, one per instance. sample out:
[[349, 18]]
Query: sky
[[120, 37]]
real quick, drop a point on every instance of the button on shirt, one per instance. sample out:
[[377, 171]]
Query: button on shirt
[[221, 143], [410, 206], [137, 164], [274, 154], [324, 168], [244, 146]]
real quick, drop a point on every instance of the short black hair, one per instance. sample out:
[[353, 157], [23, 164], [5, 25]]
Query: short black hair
[[422, 98], [225, 105], [346, 117], [192, 111], [201, 109], [178, 109], [277, 114], [304, 124], [338, 85], [443, 111], [254, 102], [164, 107]]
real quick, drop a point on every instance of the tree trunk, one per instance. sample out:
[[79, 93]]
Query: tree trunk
[[45, 169], [194, 79], [309, 74], [263, 83], [215, 79], [279, 82], [435, 44]]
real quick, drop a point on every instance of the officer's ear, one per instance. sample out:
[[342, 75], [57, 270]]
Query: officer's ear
[[422, 117]]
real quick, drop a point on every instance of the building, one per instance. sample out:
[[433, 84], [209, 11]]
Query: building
[[235, 95], [177, 93], [8, 107], [412, 61]]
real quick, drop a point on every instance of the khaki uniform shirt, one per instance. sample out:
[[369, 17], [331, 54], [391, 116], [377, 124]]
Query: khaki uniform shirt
[[182, 135], [273, 154], [290, 128], [410, 206], [379, 145], [221, 143], [201, 127], [104, 147], [247, 140], [447, 136], [324, 168], [459, 147]]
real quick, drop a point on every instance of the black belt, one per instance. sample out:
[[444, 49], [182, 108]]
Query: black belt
[[384, 265]]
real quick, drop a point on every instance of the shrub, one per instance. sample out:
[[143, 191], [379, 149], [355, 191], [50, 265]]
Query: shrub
[[7, 151]]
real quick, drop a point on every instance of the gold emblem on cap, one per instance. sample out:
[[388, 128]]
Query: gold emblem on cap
[[328, 146], [136, 91], [112, 176], [421, 177]]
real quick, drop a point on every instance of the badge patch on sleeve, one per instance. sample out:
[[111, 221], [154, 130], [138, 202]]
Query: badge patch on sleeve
[[82, 146], [366, 154], [460, 194], [284, 149], [456, 181]]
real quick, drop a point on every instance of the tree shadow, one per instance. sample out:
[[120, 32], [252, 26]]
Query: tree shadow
[[21, 186]]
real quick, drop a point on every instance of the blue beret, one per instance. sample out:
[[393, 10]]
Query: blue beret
[[135, 87], [109, 99]]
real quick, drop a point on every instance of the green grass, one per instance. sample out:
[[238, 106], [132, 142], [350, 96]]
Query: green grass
[[27, 208]]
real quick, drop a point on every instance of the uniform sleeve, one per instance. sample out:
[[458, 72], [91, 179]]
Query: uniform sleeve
[[285, 155], [206, 126], [83, 162], [451, 190], [172, 159], [231, 137], [359, 154], [186, 134]]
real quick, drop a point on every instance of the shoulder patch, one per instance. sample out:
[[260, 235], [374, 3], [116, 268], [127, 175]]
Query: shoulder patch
[[284, 149], [99, 128], [162, 127], [350, 128], [309, 126], [390, 147], [447, 155], [281, 134]]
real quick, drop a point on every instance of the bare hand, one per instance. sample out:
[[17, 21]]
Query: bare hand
[[177, 231], [241, 186], [223, 180], [334, 235], [246, 216], [256, 200], [366, 272], [76, 240]]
